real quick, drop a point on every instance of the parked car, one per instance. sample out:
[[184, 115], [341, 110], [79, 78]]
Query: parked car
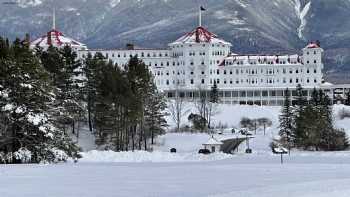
[[173, 150], [204, 151]]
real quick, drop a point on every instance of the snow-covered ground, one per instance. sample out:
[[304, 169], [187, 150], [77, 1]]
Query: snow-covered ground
[[160, 173]]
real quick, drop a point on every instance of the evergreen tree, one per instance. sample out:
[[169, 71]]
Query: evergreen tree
[[213, 102], [298, 109], [347, 99], [91, 70], [27, 98], [155, 113], [286, 121]]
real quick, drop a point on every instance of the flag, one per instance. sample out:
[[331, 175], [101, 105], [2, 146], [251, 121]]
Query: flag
[[202, 8]]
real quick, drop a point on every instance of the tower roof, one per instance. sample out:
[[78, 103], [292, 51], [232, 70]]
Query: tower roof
[[312, 45], [200, 35], [57, 39]]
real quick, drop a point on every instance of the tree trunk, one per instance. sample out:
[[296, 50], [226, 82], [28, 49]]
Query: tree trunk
[[89, 114], [73, 126]]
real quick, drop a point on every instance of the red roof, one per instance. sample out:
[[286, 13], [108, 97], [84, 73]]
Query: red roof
[[312, 45], [57, 39], [200, 35]]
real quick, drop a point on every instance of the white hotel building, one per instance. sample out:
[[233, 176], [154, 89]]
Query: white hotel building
[[200, 58]]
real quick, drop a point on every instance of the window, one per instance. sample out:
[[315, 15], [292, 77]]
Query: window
[[202, 81], [315, 71], [191, 81], [315, 61], [218, 71]]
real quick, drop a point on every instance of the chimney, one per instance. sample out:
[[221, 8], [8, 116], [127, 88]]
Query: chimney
[[27, 39], [130, 46]]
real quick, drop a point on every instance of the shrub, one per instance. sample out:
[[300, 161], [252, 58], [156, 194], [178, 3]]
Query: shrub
[[343, 114]]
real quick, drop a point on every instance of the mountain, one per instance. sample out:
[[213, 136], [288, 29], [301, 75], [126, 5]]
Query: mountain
[[253, 26]]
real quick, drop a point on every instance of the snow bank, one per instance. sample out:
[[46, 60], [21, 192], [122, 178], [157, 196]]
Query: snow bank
[[144, 156], [183, 142]]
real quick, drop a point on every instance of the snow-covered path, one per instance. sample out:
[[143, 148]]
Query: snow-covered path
[[247, 176]]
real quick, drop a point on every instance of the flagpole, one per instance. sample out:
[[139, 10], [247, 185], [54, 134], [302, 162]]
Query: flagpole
[[54, 19], [200, 17]]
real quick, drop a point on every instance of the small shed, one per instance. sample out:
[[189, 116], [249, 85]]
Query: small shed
[[213, 145]]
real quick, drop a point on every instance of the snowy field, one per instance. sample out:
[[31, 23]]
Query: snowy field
[[160, 173]]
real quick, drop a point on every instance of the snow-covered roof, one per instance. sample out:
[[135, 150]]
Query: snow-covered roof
[[213, 141], [56, 39], [312, 45], [326, 84], [200, 35]]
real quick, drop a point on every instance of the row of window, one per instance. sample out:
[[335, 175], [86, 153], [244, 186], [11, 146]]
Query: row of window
[[237, 72], [262, 81], [240, 81], [268, 71], [203, 45], [263, 93], [254, 62], [125, 55], [193, 53]]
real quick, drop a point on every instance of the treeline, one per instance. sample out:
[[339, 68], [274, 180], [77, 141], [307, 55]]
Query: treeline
[[125, 108], [309, 124], [47, 95]]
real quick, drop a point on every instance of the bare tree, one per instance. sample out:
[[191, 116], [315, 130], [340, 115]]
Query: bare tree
[[177, 108], [207, 105]]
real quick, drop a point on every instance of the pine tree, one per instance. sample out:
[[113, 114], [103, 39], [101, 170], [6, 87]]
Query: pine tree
[[27, 99], [155, 114], [92, 67], [286, 121], [299, 122], [347, 99], [213, 103]]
